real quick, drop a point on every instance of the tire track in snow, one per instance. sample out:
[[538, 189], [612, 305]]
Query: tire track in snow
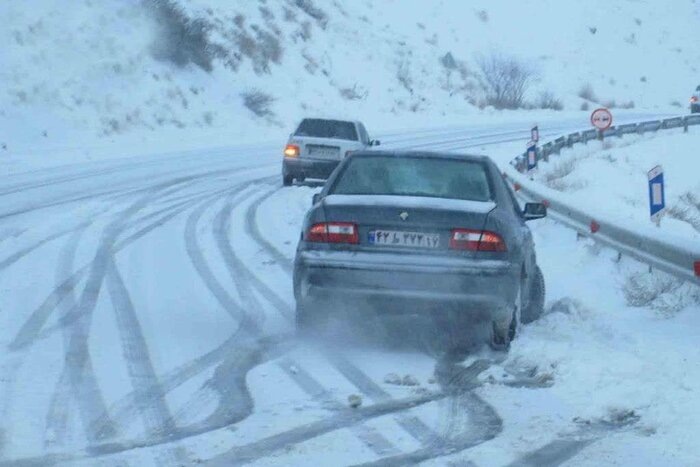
[[483, 422], [413, 425], [124, 409], [367, 434], [150, 397], [265, 447], [16, 256], [31, 329], [78, 380], [58, 416]]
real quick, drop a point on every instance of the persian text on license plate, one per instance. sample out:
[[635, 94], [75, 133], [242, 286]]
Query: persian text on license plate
[[323, 152], [409, 239]]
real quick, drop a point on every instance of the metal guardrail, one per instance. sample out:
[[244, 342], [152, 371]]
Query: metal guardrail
[[681, 261]]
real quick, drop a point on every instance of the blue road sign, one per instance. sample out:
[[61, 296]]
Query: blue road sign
[[657, 199], [532, 157]]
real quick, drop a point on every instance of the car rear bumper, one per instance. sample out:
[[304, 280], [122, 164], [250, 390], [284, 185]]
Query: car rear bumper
[[393, 282], [308, 168]]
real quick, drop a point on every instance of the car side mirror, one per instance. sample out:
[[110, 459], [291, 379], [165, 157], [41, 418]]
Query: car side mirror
[[315, 199], [375, 142], [534, 211]]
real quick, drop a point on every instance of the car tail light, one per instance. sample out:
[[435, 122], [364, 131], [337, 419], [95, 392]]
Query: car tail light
[[333, 232], [696, 267], [693, 99], [476, 240], [291, 150]]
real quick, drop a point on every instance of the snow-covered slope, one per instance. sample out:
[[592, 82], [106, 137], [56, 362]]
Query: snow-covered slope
[[610, 178], [180, 70]]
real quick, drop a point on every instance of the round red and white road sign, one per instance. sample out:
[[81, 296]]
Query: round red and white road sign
[[601, 119]]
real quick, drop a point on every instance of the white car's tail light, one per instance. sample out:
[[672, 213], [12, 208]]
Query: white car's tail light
[[476, 240], [291, 150], [693, 99], [333, 232]]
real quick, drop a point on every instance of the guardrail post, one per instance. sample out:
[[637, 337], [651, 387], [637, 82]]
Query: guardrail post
[[685, 125]]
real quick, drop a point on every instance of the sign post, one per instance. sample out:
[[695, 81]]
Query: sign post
[[535, 134], [531, 156], [657, 196], [601, 119]]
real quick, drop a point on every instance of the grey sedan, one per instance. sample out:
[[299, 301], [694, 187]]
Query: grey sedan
[[419, 232]]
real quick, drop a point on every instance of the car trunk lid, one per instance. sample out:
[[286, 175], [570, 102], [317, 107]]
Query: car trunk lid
[[409, 224]]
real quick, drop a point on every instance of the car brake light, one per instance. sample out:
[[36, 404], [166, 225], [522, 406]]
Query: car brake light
[[333, 232], [291, 150], [693, 99], [476, 240]]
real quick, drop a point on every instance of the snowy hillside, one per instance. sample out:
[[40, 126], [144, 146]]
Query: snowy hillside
[[223, 72]]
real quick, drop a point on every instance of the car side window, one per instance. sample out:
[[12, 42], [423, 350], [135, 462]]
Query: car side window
[[364, 137]]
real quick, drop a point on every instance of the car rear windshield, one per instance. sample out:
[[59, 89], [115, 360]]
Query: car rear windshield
[[327, 129], [414, 176]]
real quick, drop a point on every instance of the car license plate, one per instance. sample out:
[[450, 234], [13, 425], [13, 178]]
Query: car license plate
[[407, 239], [323, 152]]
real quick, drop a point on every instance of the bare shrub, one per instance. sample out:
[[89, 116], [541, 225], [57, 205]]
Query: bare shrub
[[304, 30], [308, 7], [261, 49], [676, 104], [353, 93], [266, 13], [403, 74], [687, 209], [585, 106], [554, 178], [483, 16], [258, 102], [586, 92], [448, 61], [181, 40], [626, 105], [609, 104], [659, 291], [547, 100], [289, 15], [507, 80]]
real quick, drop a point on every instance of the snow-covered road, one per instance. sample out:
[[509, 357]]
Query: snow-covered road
[[146, 318]]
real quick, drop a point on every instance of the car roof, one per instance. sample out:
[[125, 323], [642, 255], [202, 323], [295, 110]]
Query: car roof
[[421, 154]]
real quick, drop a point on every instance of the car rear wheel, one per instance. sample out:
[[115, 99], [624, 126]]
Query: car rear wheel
[[535, 306], [502, 334], [287, 180]]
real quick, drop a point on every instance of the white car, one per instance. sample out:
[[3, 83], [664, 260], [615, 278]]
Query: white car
[[318, 145]]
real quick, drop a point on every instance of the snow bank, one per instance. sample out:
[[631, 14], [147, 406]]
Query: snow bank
[[610, 178]]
